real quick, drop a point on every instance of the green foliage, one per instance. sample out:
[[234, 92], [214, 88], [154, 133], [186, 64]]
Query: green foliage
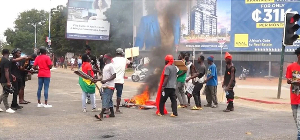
[[119, 16]]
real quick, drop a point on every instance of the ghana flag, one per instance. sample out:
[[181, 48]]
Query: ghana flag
[[86, 85]]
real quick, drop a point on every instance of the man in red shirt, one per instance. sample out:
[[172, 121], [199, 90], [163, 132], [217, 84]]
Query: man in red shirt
[[43, 64], [293, 78]]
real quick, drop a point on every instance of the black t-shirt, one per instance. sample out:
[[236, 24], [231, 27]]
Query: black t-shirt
[[15, 69], [5, 63], [227, 76], [22, 63]]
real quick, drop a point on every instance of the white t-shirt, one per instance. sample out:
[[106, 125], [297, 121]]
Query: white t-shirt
[[108, 71], [79, 61], [72, 60], [119, 65]]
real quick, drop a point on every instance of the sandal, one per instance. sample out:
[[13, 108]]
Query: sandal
[[98, 117], [24, 102], [27, 102], [195, 108]]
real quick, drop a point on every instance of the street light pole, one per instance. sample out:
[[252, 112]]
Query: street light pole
[[49, 39], [34, 36]]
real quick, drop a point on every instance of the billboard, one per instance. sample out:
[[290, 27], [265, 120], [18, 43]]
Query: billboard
[[209, 25], [87, 21]]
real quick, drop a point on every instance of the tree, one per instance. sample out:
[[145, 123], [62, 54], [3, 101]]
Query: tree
[[23, 34], [121, 23]]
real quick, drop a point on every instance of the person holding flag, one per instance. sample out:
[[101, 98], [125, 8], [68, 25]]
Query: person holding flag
[[87, 86]]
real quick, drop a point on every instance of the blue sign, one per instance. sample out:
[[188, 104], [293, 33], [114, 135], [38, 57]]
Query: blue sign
[[258, 25]]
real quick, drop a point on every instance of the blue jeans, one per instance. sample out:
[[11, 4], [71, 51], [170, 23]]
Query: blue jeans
[[107, 98], [79, 66], [296, 115], [43, 81], [119, 88]]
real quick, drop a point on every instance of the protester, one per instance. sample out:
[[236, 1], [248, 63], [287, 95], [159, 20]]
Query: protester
[[211, 84], [167, 88], [108, 84], [5, 78], [229, 82], [43, 64], [119, 63], [24, 73], [87, 86], [16, 71], [79, 61], [93, 61], [190, 71], [72, 63], [181, 75], [62, 61], [292, 75], [200, 75]]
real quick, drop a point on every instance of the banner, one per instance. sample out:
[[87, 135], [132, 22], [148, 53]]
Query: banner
[[209, 25], [257, 25], [87, 21]]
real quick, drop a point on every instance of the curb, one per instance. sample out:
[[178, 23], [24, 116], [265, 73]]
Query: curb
[[260, 101]]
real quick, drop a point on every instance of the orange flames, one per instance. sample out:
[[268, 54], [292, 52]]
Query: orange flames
[[141, 99]]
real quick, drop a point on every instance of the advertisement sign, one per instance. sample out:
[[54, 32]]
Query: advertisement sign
[[87, 21], [240, 25], [258, 25]]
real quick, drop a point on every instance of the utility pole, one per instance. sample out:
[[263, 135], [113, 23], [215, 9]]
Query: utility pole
[[289, 37], [49, 41], [34, 37]]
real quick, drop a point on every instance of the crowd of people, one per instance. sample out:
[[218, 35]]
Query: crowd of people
[[13, 73], [183, 84]]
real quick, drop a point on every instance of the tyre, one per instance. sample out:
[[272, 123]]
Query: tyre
[[135, 78]]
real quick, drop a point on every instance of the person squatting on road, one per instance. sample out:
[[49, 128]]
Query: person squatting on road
[[43, 64], [229, 82], [119, 63], [200, 75], [211, 84], [181, 75], [5, 79], [167, 88], [87, 86], [108, 85], [292, 75]]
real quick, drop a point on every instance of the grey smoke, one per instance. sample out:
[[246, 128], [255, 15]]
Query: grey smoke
[[157, 56]]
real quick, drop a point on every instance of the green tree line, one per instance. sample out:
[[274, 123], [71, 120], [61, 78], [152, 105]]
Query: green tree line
[[22, 36]]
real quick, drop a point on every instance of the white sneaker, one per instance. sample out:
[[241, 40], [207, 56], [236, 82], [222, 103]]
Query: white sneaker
[[84, 110], [10, 111], [47, 106], [40, 105], [1, 110]]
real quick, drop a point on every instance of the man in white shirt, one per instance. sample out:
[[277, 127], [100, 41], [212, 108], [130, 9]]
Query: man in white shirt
[[72, 63], [119, 63], [109, 75]]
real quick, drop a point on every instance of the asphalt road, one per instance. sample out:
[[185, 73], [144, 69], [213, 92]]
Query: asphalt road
[[66, 120]]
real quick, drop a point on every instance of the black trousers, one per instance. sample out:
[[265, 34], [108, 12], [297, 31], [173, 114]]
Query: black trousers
[[230, 97], [196, 93], [17, 86], [169, 92]]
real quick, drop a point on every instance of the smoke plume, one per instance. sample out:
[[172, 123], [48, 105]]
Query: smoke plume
[[157, 56]]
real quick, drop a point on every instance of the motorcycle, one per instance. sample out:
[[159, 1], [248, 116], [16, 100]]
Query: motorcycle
[[244, 74], [139, 74]]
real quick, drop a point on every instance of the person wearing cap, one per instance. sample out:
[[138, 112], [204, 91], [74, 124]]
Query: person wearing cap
[[119, 63], [167, 88], [16, 71], [211, 84], [229, 82], [43, 64], [108, 85]]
